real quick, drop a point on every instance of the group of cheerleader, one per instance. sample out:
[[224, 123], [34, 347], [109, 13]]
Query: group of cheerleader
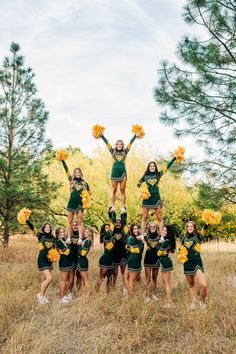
[[123, 244]]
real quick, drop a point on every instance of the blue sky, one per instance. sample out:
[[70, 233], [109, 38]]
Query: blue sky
[[96, 61]]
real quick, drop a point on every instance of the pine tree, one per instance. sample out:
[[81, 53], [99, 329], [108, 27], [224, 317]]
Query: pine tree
[[22, 144], [199, 92]]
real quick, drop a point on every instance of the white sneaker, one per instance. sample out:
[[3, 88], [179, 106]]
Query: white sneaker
[[64, 301], [41, 299], [192, 306], [154, 297], [123, 210], [69, 296], [202, 306], [46, 300], [125, 292], [147, 299]]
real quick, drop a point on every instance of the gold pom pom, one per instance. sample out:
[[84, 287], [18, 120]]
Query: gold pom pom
[[86, 199], [179, 154], [182, 255], [53, 255], [62, 155], [23, 215], [98, 131], [138, 131], [144, 192], [211, 217]]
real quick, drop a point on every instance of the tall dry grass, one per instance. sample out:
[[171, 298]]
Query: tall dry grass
[[104, 323]]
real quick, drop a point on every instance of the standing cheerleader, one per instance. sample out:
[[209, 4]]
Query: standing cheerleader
[[189, 255], [151, 261], [65, 264], [150, 190], [119, 230], [135, 248], [74, 252], [168, 245], [119, 154], [106, 260], [47, 253], [83, 250], [79, 189]]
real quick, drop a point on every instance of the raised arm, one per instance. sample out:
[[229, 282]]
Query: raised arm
[[168, 165], [112, 218], [107, 144], [66, 169], [31, 226], [127, 149], [124, 222]]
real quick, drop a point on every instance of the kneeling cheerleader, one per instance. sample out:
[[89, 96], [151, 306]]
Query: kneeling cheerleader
[[47, 252], [164, 247], [189, 255], [106, 260], [119, 154], [65, 265], [135, 248], [83, 250]]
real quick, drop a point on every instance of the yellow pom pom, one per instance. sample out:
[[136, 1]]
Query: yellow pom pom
[[53, 255], [23, 215], [138, 131], [179, 154], [86, 199], [182, 255], [98, 131], [211, 217], [144, 192], [61, 155]]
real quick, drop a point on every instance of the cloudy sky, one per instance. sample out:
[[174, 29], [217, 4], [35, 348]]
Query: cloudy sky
[[96, 61]]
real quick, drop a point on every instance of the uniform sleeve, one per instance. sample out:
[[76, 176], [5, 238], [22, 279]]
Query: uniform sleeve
[[127, 149], [112, 218], [62, 247], [203, 231], [168, 165], [141, 181], [67, 170], [86, 247], [124, 222], [31, 226], [165, 245], [107, 144]]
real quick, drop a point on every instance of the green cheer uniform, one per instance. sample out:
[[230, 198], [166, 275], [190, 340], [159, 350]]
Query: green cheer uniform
[[82, 252], [193, 244], [152, 179], [75, 203], [163, 252], [120, 255], [46, 243], [135, 248], [118, 172], [106, 260], [74, 247], [151, 260], [66, 256]]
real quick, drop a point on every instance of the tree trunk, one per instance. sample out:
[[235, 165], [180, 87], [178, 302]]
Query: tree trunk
[[6, 233]]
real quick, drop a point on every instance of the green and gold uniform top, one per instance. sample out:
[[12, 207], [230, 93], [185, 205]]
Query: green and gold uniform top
[[83, 250], [109, 242], [77, 186], [134, 246], [164, 248], [120, 237], [46, 242], [152, 179], [119, 156], [193, 242], [152, 241], [63, 248]]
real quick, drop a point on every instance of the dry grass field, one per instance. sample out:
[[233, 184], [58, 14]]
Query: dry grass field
[[104, 323]]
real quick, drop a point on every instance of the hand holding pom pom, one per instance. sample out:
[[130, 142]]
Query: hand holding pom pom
[[61, 155], [138, 131], [53, 255], [179, 154], [211, 217], [23, 215], [86, 199], [98, 131], [182, 255], [144, 192]]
